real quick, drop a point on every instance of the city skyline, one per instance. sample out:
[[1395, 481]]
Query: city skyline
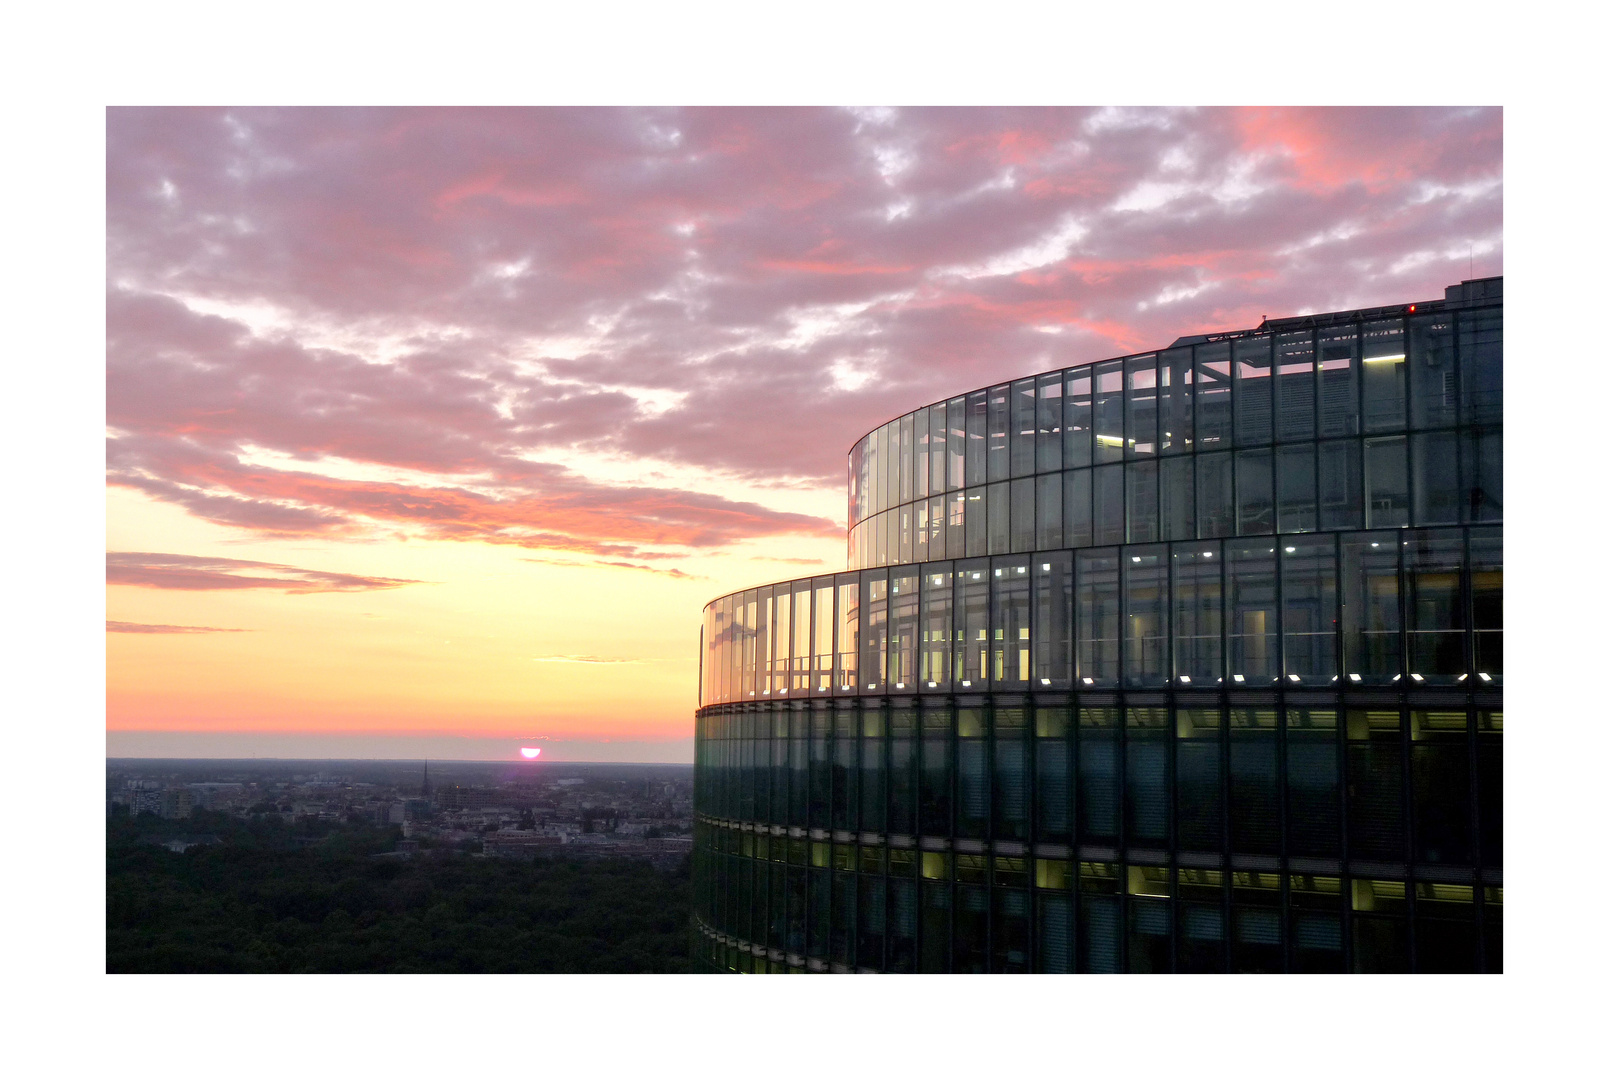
[[412, 439]]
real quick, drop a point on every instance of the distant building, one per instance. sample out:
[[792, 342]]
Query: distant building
[[518, 845]]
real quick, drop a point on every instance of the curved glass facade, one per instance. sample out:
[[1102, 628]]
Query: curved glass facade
[[1190, 660]]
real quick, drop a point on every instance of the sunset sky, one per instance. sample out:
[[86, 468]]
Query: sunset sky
[[430, 432]]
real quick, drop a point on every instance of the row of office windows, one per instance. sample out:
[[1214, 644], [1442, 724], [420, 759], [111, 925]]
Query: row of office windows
[[1380, 785], [901, 910], [1441, 369], [1429, 478], [1420, 607]]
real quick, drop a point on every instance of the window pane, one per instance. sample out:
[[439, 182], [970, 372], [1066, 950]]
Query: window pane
[[902, 777], [977, 542], [1340, 478], [1145, 595], [999, 518], [874, 629], [1337, 380], [971, 774], [1109, 411], [1024, 427], [1078, 419], [1048, 519], [822, 681], [1298, 508], [972, 622], [1022, 515], [1254, 392], [1483, 475], [935, 806], [999, 429], [1385, 472], [1432, 385], [1296, 385], [937, 430], [923, 446], [1011, 652], [1098, 617], [1480, 359], [1199, 780], [977, 434], [1178, 498], [1370, 649], [1097, 786], [1486, 587], [919, 533], [1053, 598], [1254, 485], [1197, 614], [1313, 782], [1108, 483], [1433, 572], [1141, 406], [1215, 495], [1436, 494], [1048, 423], [1307, 569], [1146, 787], [955, 515], [1384, 376], [1079, 530], [1051, 760], [1141, 501], [1176, 404], [936, 548], [906, 458], [1253, 616], [903, 633], [1253, 782], [956, 442], [1214, 420], [937, 581]]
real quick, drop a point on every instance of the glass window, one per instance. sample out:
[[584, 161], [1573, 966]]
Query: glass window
[[1197, 614], [977, 542], [1022, 515], [1258, 933], [902, 635], [956, 442], [1024, 427], [1053, 605], [1052, 792], [1099, 918], [1254, 485], [1297, 384], [1141, 402], [1048, 520], [1176, 404], [999, 434], [977, 437], [972, 780], [1370, 649], [1000, 518], [857, 482], [1253, 781], [1313, 783], [1214, 420], [1198, 756], [1215, 494], [1098, 617], [923, 446], [1078, 526], [873, 664], [1146, 787], [1141, 502], [1337, 380], [1436, 494], [1486, 589], [1443, 808], [1307, 580], [935, 528], [1483, 475], [1253, 614], [1178, 491], [935, 806], [1201, 920], [780, 683], [1432, 381], [1385, 472], [906, 458], [1433, 572], [1145, 599], [1010, 786], [1374, 784], [919, 533], [1254, 392], [848, 632], [1097, 787], [1340, 485], [1108, 484], [798, 768], [1078, 419], [903, 784], [1011, 649], [937, 428], [1298, 505], [1109, 411], [1048, 423], [937, 582], [822, 681], [955, 515], [820, 771], [972, 623], [1384, 377], [906, 527], [845, 775], [1480, 361]]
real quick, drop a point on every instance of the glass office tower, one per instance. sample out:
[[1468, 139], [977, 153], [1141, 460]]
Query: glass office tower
[[1184, 661]]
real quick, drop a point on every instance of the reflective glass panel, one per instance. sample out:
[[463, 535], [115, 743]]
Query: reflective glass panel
[[1297, 384], [1011, 647], [1099, 617], [1197, 614], [1338, 380], [1145, 599], [1253, 615], [937, 582], [1214, 417]]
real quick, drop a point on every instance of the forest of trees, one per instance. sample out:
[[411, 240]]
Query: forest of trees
[[271, 898]]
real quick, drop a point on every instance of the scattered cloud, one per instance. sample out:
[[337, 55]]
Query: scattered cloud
[[580, 659], [113, 627], [154, 570]]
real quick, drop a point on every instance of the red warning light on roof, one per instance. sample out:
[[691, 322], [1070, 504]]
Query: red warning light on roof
[[1412, 308]]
